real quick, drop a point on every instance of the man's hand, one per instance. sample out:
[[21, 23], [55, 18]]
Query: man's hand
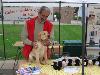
[[48, 42]]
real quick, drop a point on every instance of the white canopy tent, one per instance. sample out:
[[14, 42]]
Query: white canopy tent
[[73, 3]]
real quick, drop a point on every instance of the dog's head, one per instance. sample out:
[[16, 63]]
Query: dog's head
[[43, 35]]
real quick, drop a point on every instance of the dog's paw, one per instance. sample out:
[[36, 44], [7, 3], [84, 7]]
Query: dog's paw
[[44, 63], [38, 64]]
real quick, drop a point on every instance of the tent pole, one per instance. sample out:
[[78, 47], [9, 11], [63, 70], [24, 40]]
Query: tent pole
[[59, 24], [86, 31], [83, 36], [2, 19]]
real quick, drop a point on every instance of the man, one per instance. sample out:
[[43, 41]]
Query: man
[[32, 28]]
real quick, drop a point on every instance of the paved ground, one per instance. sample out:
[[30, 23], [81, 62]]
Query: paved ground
[[8, 67]]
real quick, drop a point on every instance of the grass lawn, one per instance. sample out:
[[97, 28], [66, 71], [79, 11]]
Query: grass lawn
[[68, 32], [12, 34]]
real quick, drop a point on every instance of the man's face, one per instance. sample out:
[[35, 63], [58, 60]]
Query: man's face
[[43, 15]]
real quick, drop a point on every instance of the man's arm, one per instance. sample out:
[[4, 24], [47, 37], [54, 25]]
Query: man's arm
[[24, 36]]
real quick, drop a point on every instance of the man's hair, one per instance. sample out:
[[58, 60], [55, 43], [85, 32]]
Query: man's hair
[[44, 8]]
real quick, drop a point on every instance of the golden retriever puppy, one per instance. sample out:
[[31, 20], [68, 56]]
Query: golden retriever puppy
[[40, 52]]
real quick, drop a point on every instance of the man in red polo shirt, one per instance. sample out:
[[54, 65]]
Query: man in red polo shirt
[[31, 29]]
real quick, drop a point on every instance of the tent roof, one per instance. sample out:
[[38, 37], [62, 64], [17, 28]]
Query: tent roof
[[42, 4], [69, 1], [72, 3], [32, 3]]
